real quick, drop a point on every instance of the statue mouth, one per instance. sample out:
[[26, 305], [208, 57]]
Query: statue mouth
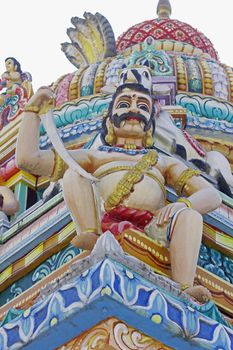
[[133, 119]]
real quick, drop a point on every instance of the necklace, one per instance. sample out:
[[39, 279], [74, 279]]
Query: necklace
[[132, 152]]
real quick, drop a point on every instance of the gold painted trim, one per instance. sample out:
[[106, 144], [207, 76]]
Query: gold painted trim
[[181, 74], [24, 265], [10, 130], [100, 75], [213, 140], [109, 171], [218, 240], [157, 257], [229, 74], [207, 78], [74, 87], [28, 179]]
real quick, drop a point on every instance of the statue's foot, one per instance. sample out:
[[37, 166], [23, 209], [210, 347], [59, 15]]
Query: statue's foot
[[199, 293], [85, 241]]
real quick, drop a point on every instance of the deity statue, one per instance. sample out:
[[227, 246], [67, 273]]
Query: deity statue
[[121, 183], [9, 205], [13, 78]]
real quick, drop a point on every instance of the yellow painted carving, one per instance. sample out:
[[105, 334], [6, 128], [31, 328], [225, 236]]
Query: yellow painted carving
[[106, 291], [87, 47], [6, 274], [219, 238], [28, 179], [27, 312], [129, 274], [9, 131], [97, 40], [54, 321], [66, 232], [156, 318], [34, 254]]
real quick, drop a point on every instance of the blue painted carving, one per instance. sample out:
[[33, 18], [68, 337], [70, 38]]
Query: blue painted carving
[[11, 315], [53, 263], [83, 110], [209, 107], [73, 132], [194, 74], [87, 82], [43, 270], [181, 319], [210, 124], [113, 69], [15, 291], [215, 262]]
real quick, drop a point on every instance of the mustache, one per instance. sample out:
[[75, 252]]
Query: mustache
[[116, 120]]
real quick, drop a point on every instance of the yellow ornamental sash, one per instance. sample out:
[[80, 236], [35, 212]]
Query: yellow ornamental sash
[[126, 185]]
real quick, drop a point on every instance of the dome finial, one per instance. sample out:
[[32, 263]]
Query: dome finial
[[164, 9]]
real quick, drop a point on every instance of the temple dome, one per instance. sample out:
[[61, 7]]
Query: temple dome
[[163, 28]]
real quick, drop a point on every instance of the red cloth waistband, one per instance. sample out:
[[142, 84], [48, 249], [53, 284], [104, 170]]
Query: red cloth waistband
[[121, 218]]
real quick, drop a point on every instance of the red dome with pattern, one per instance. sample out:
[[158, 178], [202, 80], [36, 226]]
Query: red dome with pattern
[[161, 29]]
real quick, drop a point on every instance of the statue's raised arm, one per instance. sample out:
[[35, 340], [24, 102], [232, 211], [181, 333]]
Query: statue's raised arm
[[28, 155]]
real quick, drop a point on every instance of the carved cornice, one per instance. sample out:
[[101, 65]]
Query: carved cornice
[[112, 277]]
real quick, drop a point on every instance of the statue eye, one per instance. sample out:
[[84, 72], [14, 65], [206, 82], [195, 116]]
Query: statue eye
[[123, 104], [143, 106]]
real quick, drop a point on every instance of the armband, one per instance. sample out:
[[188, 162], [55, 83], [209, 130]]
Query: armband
[[40, 110], [31, 108], [59, 167], [185, 201], [183, 179]]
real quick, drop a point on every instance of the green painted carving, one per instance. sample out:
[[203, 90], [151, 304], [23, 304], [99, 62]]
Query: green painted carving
[[158, 61]]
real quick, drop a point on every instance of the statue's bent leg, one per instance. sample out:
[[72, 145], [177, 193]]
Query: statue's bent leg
[[80, 200], [184, 250]]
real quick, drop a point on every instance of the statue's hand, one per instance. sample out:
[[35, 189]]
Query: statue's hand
[[41, 101], [164, 214]]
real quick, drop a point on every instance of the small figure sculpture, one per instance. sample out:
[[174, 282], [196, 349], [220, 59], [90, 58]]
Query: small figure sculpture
[[130, 191], [13, 78], [17, 91], [8, 203]]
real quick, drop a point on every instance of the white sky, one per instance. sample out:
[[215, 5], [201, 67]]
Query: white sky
[[31, 31]]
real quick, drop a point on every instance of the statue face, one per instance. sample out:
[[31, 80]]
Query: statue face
[[10, 66], [131, 112]]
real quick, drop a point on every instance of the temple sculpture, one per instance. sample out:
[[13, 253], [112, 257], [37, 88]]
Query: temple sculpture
[[127, 171], [116, 193], [16, 89]]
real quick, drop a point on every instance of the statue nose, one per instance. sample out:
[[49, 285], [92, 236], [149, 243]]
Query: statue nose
[[134, 107]]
